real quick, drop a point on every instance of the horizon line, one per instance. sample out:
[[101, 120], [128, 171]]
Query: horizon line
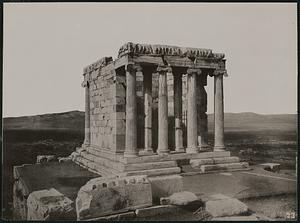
[[52, 113]]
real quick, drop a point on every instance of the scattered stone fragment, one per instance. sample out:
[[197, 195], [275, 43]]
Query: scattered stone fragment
[[64, 159], [274, 167], [45, 158], [49, 205]]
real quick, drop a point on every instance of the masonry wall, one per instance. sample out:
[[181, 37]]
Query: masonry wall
[[103, 107]]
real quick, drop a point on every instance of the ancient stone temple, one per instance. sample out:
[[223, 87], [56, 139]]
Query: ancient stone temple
[[146, 110]]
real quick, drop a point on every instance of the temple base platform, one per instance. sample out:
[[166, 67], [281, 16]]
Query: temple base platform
[[106, 163]]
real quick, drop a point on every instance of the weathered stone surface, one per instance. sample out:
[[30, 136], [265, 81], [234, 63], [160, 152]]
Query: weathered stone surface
[[49, 205], [197, 163], [122, 216], [45, 158], [156, 210], [220, 205], [109, 195], [164, 186]]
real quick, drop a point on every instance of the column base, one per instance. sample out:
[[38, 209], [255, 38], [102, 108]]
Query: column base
[[179, 150], [192, 150], [204, 147], [128, 155], [219, 148], [146, 152], [161, 151]]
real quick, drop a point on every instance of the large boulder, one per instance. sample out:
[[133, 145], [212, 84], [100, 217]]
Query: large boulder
[[110, 195], [49, 205]]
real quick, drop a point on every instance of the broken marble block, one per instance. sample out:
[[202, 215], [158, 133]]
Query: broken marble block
[[219, 205], [110, 195], [49, 205]]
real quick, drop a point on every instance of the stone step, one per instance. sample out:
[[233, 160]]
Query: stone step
[[176, 156], [94, 167], [104, 154], [196, 163], [149, 166], [153, 172], [121, 167], [224, 167], [103, 161]]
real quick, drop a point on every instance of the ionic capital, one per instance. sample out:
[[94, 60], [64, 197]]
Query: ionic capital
[[131, 67], [164, 69], [193, 71], [218, 72]]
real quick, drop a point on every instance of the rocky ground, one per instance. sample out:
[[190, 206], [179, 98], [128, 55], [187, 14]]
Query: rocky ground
[[254, 138]]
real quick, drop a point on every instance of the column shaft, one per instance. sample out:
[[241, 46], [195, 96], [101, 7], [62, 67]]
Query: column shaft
[[87, 131], [178, 112], [131, 113], [218, 113], [148, 110], [201, 112], [192, 114], [162, 111]]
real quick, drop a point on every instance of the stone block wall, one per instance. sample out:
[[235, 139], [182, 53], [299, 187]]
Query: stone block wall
[[105, 107]]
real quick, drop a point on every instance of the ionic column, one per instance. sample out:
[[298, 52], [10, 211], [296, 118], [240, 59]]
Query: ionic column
[[148, 110], [178, 111], [87, 132], [131, 112], [218, 111], [163, 110], [192, 111]]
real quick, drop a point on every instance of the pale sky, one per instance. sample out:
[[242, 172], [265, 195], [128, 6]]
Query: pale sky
[[46, 47]]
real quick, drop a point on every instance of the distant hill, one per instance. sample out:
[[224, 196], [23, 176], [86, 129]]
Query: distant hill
[[251, 121], [74, 120]]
